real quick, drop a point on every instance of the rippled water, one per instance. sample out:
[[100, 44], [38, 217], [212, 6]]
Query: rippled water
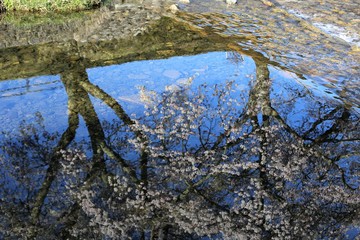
[[312, 47], [219, 122]]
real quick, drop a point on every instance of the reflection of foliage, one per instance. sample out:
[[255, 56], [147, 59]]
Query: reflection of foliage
[[24, 161], [25, 157], [202, 182], [33, 142], [200, 162]]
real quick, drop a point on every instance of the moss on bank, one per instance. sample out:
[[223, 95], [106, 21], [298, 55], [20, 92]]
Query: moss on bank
[[46, 5]]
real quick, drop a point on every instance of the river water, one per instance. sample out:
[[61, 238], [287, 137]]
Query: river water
[[214, 121]]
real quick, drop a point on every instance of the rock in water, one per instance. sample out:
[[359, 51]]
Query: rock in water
[[231, 1], [173, 8]]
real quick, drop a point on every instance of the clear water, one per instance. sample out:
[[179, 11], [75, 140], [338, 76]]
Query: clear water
[[178, 129]]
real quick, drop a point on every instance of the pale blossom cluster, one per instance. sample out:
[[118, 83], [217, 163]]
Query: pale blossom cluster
[[212, 174]]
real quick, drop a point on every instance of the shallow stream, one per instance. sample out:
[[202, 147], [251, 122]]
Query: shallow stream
[[213, 122]]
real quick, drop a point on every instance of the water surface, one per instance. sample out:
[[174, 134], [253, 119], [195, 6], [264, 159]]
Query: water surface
[[202, 126]]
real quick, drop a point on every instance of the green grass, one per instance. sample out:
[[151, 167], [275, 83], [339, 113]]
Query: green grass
[[49, 5]]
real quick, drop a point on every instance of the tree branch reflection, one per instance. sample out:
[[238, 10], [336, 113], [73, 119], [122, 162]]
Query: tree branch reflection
[[202, 161]]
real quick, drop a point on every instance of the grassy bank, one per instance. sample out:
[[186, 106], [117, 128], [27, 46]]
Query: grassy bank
[[49, 5]]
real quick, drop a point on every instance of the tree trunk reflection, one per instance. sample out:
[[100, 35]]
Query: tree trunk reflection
[[202, 163]]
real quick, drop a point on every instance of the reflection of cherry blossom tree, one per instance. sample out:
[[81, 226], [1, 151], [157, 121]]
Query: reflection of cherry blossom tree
[[205, 161]]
